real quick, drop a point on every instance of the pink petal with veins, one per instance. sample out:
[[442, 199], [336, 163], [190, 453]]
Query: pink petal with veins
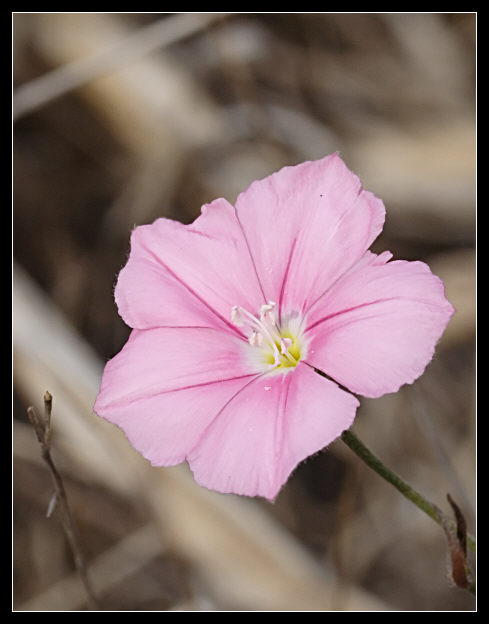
[[270, 426], [305, 226], [188, 275], [377, 328]]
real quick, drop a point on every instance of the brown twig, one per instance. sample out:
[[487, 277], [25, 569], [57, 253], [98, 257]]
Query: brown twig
[[42, 428]]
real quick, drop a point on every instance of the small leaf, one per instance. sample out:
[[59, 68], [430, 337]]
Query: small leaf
[[457, 545]]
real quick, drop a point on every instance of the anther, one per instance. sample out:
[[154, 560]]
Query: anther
[[236, 316], [266, 312]]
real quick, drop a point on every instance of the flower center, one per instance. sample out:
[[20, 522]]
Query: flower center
[[278, 346]]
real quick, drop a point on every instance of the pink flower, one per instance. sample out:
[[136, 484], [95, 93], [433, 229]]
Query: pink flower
[[232, 314]]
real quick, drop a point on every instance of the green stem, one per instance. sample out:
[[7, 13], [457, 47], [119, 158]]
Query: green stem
[[359, 448]]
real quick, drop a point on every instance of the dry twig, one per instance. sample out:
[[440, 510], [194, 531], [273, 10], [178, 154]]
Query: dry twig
[[42, 428]]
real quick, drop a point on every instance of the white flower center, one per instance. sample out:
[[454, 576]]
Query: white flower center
[[278, 346]]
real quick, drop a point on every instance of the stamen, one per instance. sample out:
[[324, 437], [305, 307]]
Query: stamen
[[278, 351]]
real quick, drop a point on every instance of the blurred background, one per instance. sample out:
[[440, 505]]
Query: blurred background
[[123, 118]]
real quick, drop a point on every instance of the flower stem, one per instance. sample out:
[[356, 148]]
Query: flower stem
[[359, 448]]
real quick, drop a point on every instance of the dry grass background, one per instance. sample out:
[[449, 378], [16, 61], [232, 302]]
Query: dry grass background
[[170, 112]]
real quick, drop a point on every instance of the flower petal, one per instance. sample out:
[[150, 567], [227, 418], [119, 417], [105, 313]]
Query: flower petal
[[163, 359], [306, 226], [165, 427], [267, 428], [166, 385], [377, 327], [188, 275], [319, 307]]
